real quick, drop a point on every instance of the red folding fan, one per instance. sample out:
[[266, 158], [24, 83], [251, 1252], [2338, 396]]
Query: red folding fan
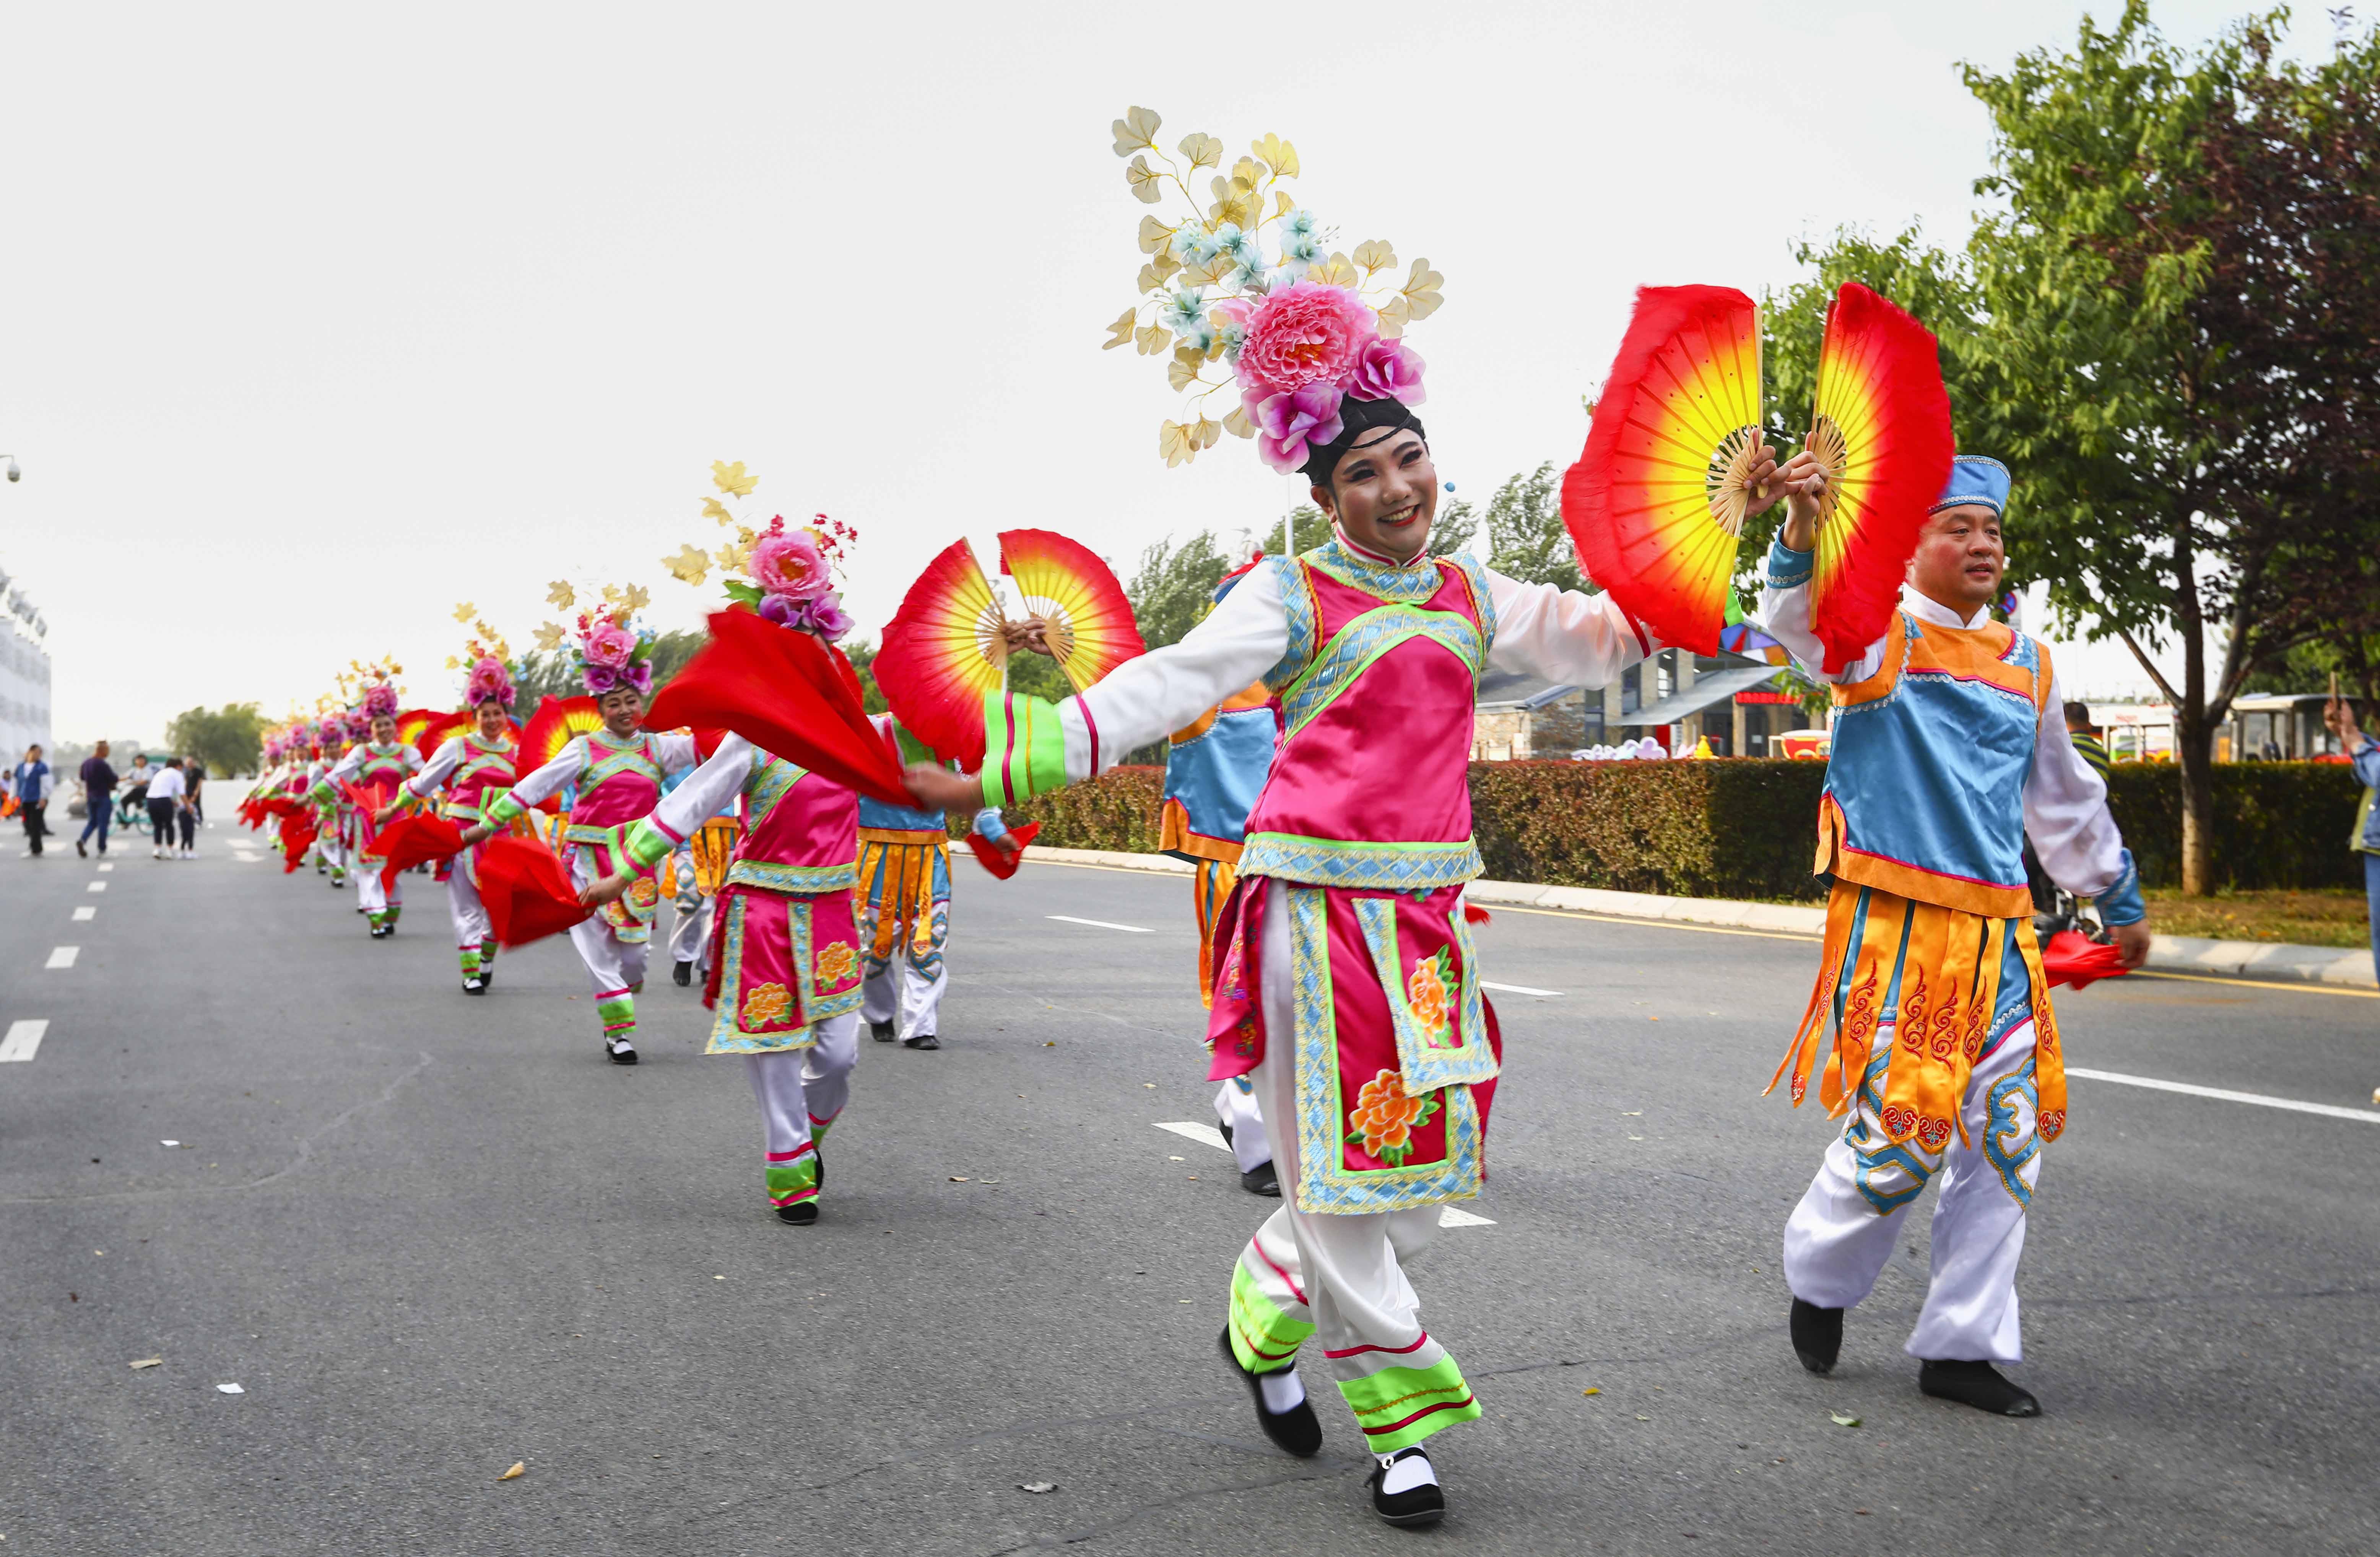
[[1656, 501], [424, 729], [1880, 425], [556, 722]]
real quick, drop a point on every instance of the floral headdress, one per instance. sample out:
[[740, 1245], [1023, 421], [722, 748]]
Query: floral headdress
[[1297, 336], [610, 648], [789, 572], [488, 660]]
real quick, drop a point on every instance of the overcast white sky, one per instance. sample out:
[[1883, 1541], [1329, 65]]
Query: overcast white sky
[[315, 320]]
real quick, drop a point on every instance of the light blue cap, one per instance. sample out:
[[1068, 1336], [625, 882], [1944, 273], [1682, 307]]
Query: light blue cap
[[1974, 479]]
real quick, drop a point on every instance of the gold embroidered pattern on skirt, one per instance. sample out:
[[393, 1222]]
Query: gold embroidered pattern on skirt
[[1934, 973]]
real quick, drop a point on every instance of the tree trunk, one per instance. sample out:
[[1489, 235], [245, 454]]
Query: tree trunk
[[2194, 755]]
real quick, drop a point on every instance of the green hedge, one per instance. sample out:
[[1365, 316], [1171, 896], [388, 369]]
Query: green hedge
[[1746, 827]]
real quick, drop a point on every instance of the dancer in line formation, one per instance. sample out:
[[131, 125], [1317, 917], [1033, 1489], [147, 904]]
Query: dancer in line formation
[[1320, 722]]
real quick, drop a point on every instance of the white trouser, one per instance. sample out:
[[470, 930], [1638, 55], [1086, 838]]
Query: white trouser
[[799, 1089], [371, 894], [1236, 1106], [1839, 1236], [913, 1003], [471, 927], [690, 935], [613, 963]]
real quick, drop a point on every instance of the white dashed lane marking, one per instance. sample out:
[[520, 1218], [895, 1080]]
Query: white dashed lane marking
[[1102, 924], [107, 867], [24, 1037], [63, 956], [96, 886], [2328, 1111], [1520, 989], [85, 913], [1207, 1134]]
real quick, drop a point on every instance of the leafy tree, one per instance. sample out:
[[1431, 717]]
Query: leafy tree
[[1526, 539], [1171, 590], [2166, 331], [227, 739]]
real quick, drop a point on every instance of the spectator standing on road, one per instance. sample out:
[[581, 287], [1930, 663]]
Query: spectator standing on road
[[30, 784], [194, 777], [2364, 753], [165, 802], [2086, 737], [135, 788], [98, 799]]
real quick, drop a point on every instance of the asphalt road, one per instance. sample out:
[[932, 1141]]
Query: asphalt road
[[429, 1237]]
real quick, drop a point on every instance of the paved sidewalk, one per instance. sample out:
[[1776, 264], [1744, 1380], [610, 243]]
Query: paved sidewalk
[[2277, 961]]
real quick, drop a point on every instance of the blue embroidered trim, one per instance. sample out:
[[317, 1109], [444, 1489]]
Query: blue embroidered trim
[[1337, 863], [771, 777], [1297, 609], [1355, 647], [1427, 1065], [806, 880], [1788, 569], [1876, 1158], [2010, 1143], [1409, 585], [1325, 1186]]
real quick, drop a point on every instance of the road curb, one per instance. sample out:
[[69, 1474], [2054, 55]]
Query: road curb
[[2276, 962]]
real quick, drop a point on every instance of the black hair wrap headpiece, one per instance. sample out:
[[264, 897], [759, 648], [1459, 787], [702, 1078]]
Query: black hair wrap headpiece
[[1359, 420]]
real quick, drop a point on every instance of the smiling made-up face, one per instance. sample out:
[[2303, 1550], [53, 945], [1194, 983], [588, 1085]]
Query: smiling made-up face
[[1384, 495], [1960, 558], [383, 730], [622, 709], [493, 718]]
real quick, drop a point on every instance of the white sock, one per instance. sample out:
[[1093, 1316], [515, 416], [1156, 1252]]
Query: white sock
[[1414, 1470], [1282, 1391]]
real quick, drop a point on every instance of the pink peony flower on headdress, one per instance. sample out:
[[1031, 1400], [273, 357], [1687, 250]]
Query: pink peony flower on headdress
[[608, 643], [1388, 371], [789, 562], [380, 701], [600, 678], [489, 680], [1310, 333], [1287, 424]]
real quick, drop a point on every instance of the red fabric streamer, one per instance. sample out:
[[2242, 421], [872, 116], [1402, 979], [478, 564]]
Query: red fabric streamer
[[413, 840], [787, 693], [527, 895], [296, 837], [2075, 959], [1002, 862]]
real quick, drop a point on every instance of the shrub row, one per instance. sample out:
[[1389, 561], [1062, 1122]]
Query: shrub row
[[1746, 827]]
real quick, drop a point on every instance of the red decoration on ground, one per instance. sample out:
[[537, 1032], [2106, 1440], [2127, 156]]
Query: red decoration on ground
[[787, 693], [1002, 862], [527, 895]]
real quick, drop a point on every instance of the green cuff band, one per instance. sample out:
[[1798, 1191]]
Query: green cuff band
[[500, 814], [1024, 748], [646, 845]]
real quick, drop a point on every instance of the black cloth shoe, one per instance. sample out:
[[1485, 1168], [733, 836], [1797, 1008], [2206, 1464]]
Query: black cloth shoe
[[1978, 1384], [1261, 1180], [683, 974], [1223, 1128], [487, 974], [81, 852], [880, 1032], [1294, 1431], [1412, 1508], [801, 1213], [620, 1051], [923, 1040], [475, 986], [1817, 1335]]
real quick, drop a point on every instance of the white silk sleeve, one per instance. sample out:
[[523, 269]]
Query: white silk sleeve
[[1562, 635], [553, 778], [448, 757], [1149, 698], [703, 793]]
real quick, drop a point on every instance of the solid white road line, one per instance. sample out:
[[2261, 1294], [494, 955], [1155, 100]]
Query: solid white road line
[[63, 956], [1521, 989], [24, 1037], [1101, 924], [96, 886], [1204, 1135], [85, 913], [1207, 1134], [2329, 1111]]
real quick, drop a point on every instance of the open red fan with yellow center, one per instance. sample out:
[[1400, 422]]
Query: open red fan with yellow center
[[946, 649], [1880, 425], [425, 729], [1090, 630], [1656, 502], [556, 722]]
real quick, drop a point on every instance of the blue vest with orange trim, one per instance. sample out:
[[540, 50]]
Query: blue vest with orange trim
[[1925, 793]]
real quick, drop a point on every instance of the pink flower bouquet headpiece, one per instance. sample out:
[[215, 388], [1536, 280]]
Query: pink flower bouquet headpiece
[[1295, 333], [789, 570], [486, 660]]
